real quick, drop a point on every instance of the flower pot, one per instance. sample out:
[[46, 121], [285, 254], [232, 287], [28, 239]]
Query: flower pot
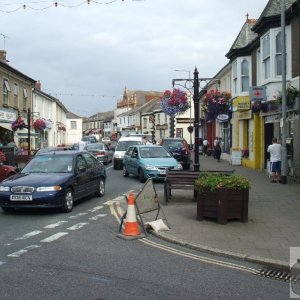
[[223, 205]]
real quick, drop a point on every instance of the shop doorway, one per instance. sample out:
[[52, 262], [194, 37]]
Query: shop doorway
[[269, 132]]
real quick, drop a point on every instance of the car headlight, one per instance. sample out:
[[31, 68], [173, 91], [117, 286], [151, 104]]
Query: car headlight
[[150, 168], [4, 188], [49, 188], [178, 167]]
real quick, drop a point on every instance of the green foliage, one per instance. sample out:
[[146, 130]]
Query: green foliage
[[214, 181], [291, 94]]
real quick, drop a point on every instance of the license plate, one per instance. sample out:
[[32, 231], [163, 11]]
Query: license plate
[[21, 197], [162, 171]]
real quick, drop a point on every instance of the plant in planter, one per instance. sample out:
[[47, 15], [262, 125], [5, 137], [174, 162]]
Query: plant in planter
[[222, 197], [19, 123], [175, 102], [39, 125], [245, 153]]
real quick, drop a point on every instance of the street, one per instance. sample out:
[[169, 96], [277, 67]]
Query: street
[[50, 255]]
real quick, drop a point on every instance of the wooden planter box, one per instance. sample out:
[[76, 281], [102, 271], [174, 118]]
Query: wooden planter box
[[223, 205]]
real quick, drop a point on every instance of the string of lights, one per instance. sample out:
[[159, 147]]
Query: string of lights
[[50, 4], [83, 95]]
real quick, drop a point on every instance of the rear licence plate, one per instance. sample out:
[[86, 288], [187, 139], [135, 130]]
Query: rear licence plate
[[20, 197]]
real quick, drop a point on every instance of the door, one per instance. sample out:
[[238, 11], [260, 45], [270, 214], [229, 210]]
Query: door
[[269, 132]]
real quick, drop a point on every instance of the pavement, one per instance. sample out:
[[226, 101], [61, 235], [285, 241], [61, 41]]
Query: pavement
[[273, 220]]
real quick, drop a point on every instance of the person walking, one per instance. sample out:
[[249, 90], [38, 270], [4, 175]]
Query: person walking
[[275, 160], [205, 146], [218, 151], [216, 140]]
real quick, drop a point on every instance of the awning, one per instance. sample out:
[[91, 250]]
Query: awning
[[24, 133], [6, 126]]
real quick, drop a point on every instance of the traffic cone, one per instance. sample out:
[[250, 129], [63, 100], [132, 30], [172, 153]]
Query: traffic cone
[[131, 229]]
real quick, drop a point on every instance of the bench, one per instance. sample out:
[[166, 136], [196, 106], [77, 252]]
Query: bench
[[184, 180]]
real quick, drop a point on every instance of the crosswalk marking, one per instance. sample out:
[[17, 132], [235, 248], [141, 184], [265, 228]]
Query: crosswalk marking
[[97, 217], [77, 226], [55, 224], [78, 215], [53, 237], [23, 251], [28, 235], [96, 208]]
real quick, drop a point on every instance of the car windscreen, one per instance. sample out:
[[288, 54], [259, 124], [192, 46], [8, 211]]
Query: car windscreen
[[94, 147], [173, 144], [154, 152], [123, 145], [50, 164]]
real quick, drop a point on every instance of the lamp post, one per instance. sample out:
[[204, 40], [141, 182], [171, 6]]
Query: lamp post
[[190, 128], [196, 84]]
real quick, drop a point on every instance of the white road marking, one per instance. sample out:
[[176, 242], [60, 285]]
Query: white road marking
[[55, 224], [77, 226], [95, 208], [28, 235], [78, 215], [97, 217], [53, 237], [23, 251], [2, 263]]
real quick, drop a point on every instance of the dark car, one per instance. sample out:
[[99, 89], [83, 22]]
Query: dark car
[[101, 151], [179, 149], [54, 179]]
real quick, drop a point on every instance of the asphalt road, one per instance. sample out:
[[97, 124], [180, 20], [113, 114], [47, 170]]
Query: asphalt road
[[50, 255]]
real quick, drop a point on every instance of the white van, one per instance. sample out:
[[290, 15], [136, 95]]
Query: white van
[[122, 146]]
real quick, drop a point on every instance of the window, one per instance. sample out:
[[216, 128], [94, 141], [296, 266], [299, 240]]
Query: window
[[16, 88], [245, 75], [6, 90], [73, 125], [24, 99], [158, 119], [144, 122], [266, 57], [234, 77], [258, 67]]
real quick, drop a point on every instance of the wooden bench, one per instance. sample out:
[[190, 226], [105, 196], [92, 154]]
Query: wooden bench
[[184, 180]]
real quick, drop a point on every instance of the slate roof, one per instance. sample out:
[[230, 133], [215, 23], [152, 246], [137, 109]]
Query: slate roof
[[71, 115]]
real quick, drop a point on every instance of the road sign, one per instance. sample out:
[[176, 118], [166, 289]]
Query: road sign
[[257, 93]]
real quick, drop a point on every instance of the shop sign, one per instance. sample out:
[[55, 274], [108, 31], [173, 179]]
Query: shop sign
[[257, 93], [223, 117], [7, 116], [244, 115], [241, 103]]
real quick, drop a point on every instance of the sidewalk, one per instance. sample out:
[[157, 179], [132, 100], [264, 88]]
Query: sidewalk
[[273, 226]]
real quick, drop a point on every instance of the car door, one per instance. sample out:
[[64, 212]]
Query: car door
[[109, 153], [127, 159], [92, 172], [134, 161], [83, 185]]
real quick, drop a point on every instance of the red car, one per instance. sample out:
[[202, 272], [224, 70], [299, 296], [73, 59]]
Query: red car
[[6, 171]]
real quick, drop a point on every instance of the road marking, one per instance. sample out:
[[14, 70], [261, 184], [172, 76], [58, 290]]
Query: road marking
[[55, 224], [53, 237], [23, 251], [28, 235], [200, 258], [97, 217], [77, 226], [113, 212], [78, 215], [2, 263], [95, 208]]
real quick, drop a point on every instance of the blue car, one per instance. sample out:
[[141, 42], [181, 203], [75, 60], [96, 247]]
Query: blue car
[[148, 161], [54, 179]]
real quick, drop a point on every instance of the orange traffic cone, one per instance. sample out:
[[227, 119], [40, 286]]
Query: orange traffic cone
[[131, 229]]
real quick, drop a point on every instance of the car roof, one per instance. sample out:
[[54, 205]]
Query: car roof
[[73, 152], [146, 146]]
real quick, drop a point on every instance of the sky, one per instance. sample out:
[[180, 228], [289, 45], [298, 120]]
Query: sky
[[86, 54]]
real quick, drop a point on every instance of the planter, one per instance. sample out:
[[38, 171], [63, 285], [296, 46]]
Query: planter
[[223, 205]]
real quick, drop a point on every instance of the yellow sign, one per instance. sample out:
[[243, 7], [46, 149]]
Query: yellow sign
[[241, 103], [244, 115]]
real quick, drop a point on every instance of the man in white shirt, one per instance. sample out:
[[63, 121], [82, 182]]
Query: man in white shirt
[[275, 159]]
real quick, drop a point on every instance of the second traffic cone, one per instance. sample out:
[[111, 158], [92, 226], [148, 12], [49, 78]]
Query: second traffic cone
[[131, 224]]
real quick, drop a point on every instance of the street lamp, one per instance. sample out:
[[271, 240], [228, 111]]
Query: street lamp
[[196, 84], [190, 128]]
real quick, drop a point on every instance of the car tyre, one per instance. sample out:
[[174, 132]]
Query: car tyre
[[141, 176], [125, 172], [68, 201], [101, 188], [115, 166]]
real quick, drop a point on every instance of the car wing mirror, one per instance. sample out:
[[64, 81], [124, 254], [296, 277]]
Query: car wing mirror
[[81, 169]]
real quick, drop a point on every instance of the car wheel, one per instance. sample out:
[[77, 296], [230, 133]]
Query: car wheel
[[101, 188], [68, 201], [125, 172], [7, 209], [141, 176]]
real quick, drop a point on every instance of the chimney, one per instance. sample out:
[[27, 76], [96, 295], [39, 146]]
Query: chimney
[[3, 55], [38, 85]]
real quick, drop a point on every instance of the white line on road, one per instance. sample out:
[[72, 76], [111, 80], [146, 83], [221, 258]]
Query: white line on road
[[78, 215], [97, 217], [23, 251], [2, 263], [77, 226], [53, 237], [55, 224], [28, 235], [95, 208]]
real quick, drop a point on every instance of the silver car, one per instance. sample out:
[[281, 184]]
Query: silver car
[[101, 151]]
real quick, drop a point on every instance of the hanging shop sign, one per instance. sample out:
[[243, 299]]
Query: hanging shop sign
[[241, 103], [7, 116], [257, 93], [223, 117]]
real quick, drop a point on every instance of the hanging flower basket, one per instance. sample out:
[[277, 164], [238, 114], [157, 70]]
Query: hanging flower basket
[[175, 102], [215, 103], [39, 125], [18, 124], [255, 106]]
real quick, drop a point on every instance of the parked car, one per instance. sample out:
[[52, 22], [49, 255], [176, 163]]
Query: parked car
[[179, 149], [54, 179], [89, 139], [101, 151], [122, 146], [51, 148], [7, 171], [148, 161]]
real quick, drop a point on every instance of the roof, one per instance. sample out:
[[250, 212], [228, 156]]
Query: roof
[[71, 115]]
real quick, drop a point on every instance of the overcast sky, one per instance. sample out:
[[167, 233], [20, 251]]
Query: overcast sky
[[85, 54]]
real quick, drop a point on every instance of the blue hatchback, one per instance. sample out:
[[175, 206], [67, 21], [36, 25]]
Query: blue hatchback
[[54, 179], [148, 161]]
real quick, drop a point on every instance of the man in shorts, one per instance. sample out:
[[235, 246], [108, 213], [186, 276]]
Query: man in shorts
[[275, 160]]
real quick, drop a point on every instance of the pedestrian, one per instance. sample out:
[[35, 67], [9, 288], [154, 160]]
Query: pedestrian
[[275, 160], [205, 146], [218, 151], [216, 140]]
